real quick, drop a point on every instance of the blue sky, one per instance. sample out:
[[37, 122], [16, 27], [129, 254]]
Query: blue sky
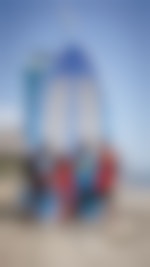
[[115, 34]]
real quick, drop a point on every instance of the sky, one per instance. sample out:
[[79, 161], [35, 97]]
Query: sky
[[116, 36]]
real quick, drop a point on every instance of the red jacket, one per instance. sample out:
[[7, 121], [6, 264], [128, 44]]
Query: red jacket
[[106, 172]]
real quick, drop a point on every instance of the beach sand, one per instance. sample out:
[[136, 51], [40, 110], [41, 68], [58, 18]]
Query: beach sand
[[120, 239]]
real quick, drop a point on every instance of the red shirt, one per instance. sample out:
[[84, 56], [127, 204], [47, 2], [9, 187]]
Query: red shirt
[[106, 172]]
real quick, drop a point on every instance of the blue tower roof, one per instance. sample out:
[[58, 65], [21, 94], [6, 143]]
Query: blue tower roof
[[74, 62]]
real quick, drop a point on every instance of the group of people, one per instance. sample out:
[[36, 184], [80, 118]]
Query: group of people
[[68, 186]]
